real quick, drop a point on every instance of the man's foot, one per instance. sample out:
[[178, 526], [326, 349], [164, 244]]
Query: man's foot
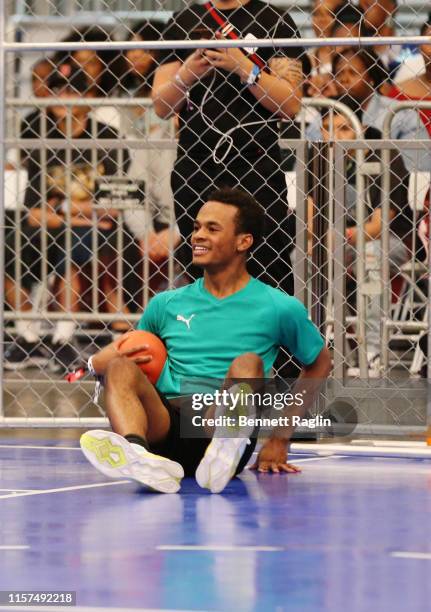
[[65, 357], [219, 463], [22, 354], [115, 457]]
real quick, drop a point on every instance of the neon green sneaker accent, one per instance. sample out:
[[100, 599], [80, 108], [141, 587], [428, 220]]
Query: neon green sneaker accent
[[241, 409], [105, 451]]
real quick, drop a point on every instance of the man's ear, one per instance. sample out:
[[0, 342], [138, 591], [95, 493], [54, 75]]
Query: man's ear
[[245, 242]]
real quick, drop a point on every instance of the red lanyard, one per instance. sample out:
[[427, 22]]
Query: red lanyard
[[231, 32]]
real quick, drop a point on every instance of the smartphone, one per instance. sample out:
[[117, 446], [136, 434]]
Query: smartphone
[[202, 32]]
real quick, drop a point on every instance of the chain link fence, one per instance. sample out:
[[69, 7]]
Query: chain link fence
[[112, 148]]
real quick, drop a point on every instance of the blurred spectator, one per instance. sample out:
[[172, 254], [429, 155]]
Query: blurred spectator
[[77, 196], [378, 15], [359, 75], [321, 82], [40, 74], [39, 77], [150, 226], [102, 68], [412, 58], [336, 127], [419, 87], [379, 19], [140, 63], [348, 23], [411, 124]]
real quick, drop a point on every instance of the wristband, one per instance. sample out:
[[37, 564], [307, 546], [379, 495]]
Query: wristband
[[81, 372], [254, 76], [185, 89], [90, 367], [99, 379], [180, 82]]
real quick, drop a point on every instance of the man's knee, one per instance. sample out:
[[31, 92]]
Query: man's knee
[[248, 365], [124, 371]]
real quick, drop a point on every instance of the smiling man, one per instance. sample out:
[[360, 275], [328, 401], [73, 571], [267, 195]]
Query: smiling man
[[226, 325]]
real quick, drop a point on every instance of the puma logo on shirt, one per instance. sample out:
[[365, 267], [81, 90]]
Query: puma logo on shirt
[[184, 320]]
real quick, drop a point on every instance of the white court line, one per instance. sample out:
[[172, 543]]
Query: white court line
[[17, 547], [309, 458], [317, 458], [63, 489], [221, 548], [40, 447], [19, 490], [411, 555]]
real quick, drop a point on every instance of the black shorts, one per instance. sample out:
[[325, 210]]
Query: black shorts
[[189, 451]]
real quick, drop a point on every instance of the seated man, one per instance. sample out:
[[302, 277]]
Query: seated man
[[226, 324]]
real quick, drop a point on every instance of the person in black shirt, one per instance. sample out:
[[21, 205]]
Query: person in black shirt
[[48, 181], [229, 103]]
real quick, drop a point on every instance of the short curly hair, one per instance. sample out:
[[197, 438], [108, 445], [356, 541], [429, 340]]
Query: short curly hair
[[250, 218]]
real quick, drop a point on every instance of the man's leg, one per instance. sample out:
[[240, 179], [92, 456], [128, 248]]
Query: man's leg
[[132, 403], [226, 457], [137, 417]]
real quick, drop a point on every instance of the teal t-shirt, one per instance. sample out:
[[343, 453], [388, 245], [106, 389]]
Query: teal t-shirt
[[204, 334]]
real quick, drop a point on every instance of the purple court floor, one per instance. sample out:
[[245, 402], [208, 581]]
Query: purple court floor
[[346, 535]]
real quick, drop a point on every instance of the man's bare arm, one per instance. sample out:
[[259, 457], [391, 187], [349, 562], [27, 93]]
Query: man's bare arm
[[273, 455]]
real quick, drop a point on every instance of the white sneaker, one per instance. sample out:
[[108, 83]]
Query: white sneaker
[[116, 458], [219, 463]]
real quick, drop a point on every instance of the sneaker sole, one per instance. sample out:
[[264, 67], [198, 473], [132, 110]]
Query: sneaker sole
[[113, 456], [219, 463]]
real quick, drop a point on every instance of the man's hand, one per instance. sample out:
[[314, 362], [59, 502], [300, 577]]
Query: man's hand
[[195, 67], [273, 458], [131, 353], [102, 358], [159, 244], [229, 59]]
